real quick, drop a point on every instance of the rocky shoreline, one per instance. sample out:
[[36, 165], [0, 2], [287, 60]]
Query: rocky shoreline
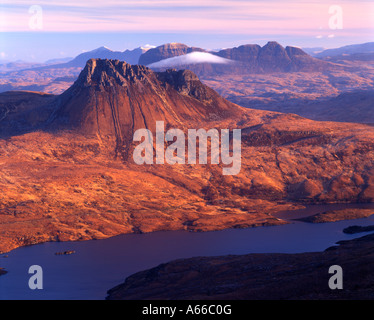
[[219, 222], [358, 229], [258, 276]]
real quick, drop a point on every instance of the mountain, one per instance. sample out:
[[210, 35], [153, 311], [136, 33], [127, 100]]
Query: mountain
[[57, 75], [347, 50], [249, 58], [105, 101], [130, 56], [165, 51], [241, 61], [101, 79], [273, 57], [99, 53], [68, 171]]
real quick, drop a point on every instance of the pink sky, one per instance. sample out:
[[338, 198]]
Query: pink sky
[[261, 17]]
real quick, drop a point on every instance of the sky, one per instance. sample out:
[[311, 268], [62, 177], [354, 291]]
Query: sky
[[39, 30]]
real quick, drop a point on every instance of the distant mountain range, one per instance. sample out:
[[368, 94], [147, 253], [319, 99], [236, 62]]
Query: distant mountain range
[[130, 56], [57, 75], [249, 58], [271, 77], [261, 58], [347, 50]]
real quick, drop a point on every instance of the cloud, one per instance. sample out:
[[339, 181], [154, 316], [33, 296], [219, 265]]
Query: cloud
[[190, 58]]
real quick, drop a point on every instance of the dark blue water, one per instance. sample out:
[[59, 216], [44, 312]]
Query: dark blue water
[[99, 265]]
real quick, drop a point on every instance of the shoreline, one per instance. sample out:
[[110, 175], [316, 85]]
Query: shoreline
[[274, 219], [271, 221], [270, 276], [257, 241]]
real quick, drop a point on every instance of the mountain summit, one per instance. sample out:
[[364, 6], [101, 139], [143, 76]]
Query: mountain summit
[[249, 58], [273, 57], [113, 98]]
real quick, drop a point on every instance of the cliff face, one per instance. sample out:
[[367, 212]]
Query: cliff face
[[134, 91], [113, 99]]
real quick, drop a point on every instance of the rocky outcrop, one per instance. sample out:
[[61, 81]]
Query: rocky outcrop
[[112, 87], [113, 99], [253, 59], [258, 276], [67, 252]]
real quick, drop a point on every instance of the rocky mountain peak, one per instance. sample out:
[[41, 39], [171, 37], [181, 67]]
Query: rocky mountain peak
[[273, 57], [112, 98], [104, 72]]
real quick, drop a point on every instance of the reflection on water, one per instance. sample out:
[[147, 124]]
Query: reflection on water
[[99, 265]]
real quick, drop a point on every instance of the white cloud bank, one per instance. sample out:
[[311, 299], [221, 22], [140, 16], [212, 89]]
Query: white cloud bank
[[190, 58]]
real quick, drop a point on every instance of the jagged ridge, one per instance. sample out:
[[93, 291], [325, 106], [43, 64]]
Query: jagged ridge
[[113, 98]]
